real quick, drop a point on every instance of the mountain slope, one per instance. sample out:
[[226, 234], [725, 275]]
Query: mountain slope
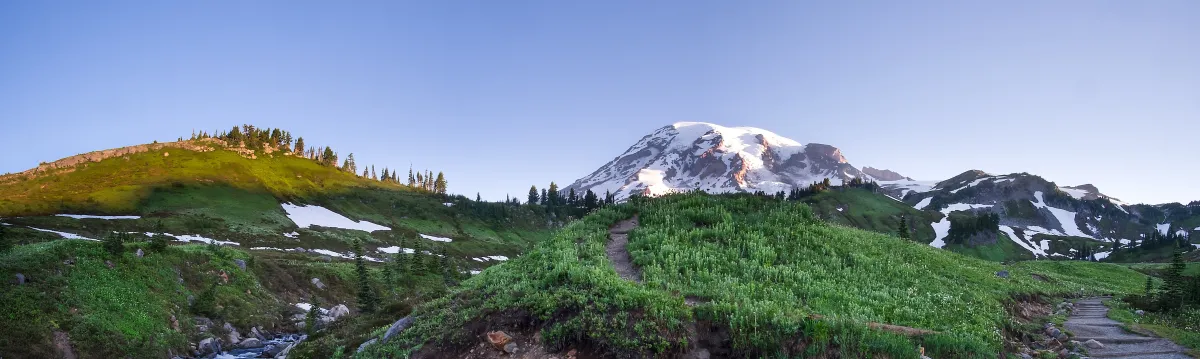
[[285, 225], [739, 275], [713, 158], [1038, 215]]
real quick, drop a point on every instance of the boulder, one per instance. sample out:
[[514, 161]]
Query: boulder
[[1093, 344], [234, 336], [271, 350], [499, 339], [317, 283], [1002, 274], [397, 327], [339, 311], [1140, 312], [20, 279], [510, 348], [256, 334], [140, 253], [250, 343], [209, 346], [109, 264], [366, 344], [240, 263]]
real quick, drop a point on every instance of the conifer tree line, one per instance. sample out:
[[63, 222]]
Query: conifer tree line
[[1155, 240], [1177, 291], [260, 139], [570, 204]]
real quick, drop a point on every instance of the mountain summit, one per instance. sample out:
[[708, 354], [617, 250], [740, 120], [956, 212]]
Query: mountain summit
[[714, 158]]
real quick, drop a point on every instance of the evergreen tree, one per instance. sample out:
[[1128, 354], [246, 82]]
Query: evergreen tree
[[206, 303], [904, 228], [544, 199], [401, 260], [349, 165], [374, 175], [590, 201], [439, 185], [310, 319], [572, 200], [367, 301], [389, 277], [1175, 286], [235, 137], [553, 193], [478, 198], [115, 244], [328, 158], [418, 264], [1149, 287], [533, 195], [385, 173], [411, 180]]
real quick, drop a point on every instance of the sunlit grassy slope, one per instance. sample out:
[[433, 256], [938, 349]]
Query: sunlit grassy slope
[[118, 185], [756, 267]]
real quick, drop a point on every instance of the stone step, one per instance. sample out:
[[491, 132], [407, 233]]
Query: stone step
[[1136, 354]]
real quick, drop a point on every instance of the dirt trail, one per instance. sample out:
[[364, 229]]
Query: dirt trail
[[1090, 320], [618, 237]]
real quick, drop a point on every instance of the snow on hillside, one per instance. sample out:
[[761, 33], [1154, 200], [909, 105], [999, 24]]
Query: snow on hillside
[[435, 238], [923, 203], [64, 234], [1065, 218], [907, 186], [1163, 228], [942, 228], [1077, 193], [395, 249], [306, 216], [717, 159], [1012, 235], [84, 216]]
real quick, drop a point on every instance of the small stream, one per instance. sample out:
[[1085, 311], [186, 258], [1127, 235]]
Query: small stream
[[283, 341]]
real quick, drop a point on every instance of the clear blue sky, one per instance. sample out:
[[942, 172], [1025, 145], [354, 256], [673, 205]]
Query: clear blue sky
[[504, 94]]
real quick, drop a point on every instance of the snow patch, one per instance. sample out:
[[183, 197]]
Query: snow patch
[[307, 216], [942, 228], [1076, 193], [395, 249], [448, 204], [294, 234], [435, 238], [1102, 255], [1066, 219], [65, 234], [490, 258], [924, 203], [1012, 235], [1163, 228], [83, 216]]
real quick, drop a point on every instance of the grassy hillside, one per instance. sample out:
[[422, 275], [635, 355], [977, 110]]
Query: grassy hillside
[[228, 195], [876, 212], [863, 209], [747, 274]]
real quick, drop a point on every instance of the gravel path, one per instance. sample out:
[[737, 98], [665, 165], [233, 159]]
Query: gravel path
[[1090, 320], [618, 239]]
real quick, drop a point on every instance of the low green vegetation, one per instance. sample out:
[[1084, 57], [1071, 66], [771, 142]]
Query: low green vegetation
[[861, 208], [761, 269]]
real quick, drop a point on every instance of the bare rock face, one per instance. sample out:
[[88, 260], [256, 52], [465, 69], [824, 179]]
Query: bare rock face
[[692, 155], [884, 175]]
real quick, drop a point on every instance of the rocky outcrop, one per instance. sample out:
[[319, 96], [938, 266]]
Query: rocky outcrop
[[884, 175]]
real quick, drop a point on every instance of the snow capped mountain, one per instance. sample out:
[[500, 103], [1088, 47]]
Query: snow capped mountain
[[713, 158]]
